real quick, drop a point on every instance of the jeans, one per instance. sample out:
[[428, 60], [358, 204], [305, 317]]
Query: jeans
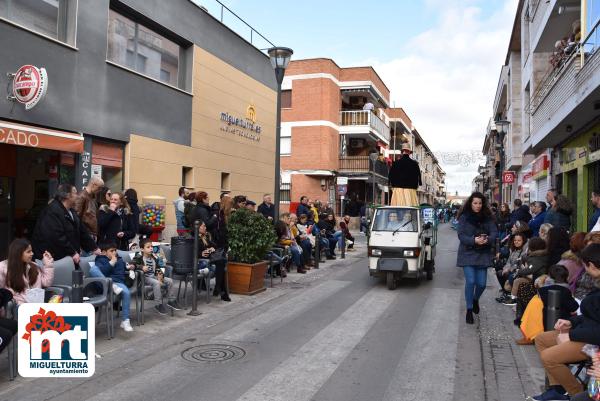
[[306, 250], [297, 257], [475, 281], [157, 287], [125, 294]]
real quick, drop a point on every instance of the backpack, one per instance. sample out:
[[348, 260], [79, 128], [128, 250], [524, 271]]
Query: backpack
[[188, 211]]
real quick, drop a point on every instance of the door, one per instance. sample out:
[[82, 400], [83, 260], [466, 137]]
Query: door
[[572, 195], [7, 212]]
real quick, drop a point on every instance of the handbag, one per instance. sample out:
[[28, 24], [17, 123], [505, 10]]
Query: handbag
[[218, 256]]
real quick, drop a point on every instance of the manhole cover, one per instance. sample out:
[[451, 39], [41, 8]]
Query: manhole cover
[[213, 353]]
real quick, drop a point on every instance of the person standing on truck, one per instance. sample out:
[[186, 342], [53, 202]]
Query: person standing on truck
[[404, 179]]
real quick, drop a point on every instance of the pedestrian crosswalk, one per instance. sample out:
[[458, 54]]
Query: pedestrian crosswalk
[[316, 361]]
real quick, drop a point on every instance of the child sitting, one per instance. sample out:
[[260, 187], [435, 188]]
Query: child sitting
[[110, 265], [149, 263]]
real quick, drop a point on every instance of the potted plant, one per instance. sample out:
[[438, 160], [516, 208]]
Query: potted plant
[[250, 237]]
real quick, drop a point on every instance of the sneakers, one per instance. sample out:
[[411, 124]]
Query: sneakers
[[552, 394], [503, 297], [125, 325], [117, 290], [509, 301], [174, 304], [160, 308]]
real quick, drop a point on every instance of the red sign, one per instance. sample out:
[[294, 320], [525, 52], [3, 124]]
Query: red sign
[[540, 166], [527, 177], [508, 177], [35, 137], [29, 85]]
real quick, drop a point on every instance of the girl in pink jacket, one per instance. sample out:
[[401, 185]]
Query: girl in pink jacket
[[18, 273]]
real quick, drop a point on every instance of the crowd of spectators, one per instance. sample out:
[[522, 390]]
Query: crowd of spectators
[[537, 252]]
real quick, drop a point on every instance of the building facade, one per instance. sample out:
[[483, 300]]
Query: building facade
[[548, 92], [148, 95], [339, 136]]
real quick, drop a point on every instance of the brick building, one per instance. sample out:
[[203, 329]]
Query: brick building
[[336, 125]]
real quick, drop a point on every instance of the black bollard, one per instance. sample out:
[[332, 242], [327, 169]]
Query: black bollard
[[552, 309], [194, 311], [77, 285], [317, 250], [343, 248]]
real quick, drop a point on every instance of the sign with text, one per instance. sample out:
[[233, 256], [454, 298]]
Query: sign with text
[[29, 85], [56, 340], [342, 180], [508, 177]]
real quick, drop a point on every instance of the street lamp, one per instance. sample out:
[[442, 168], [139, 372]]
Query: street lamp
[[280, 58], [501, 130]]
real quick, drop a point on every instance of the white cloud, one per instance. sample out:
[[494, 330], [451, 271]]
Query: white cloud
[[446, 78]]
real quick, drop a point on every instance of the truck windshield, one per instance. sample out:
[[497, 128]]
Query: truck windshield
[[396, 219]]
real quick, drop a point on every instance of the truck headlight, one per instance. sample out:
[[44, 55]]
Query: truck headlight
[[375, 252], [408, 253]]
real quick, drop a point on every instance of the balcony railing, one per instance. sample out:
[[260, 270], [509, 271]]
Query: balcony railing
[[366, 118], [570, 61], [362, 164]]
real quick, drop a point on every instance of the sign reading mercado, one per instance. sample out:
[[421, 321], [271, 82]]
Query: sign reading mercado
[[244, 127]]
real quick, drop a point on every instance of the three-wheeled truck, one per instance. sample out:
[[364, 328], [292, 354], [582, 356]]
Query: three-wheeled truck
[[402, 243]]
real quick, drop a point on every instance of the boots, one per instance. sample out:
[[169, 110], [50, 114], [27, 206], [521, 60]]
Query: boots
[[220, 287], [469, 318]]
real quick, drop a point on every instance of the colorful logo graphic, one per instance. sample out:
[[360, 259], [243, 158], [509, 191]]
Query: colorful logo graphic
[[29, 85], [56, 340]]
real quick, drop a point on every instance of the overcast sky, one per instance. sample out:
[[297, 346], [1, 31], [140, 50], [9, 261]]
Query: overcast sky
[[441, 59]]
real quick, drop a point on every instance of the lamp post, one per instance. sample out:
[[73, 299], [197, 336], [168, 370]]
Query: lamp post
[[280, 58], [501, 130]]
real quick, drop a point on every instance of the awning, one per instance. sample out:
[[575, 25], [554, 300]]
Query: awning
[[43, 138], [314, 172]]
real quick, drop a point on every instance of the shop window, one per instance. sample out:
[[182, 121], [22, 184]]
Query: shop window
[[55, 19], [286, 99], [146, 51], [225, 182], [187, 177], [107, 162]]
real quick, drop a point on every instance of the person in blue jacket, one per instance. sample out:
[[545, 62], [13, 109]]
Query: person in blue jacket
[[109, 264], [539, 214]]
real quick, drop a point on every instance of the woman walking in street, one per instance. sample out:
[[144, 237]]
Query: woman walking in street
[[477, 234]]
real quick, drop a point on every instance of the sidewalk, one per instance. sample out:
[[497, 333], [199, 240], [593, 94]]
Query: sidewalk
[[511, 371]]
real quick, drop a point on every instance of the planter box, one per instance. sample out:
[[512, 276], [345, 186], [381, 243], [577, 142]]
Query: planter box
[[246, 279]]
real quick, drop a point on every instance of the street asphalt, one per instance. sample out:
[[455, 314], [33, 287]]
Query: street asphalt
[[332, 334]]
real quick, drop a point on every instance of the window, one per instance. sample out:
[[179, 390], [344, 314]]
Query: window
[[285, 192], [286, 146], [187, 177], [285, 142], [52, 18], [286, 99], [225, 182], [400, 220], [143, 50]]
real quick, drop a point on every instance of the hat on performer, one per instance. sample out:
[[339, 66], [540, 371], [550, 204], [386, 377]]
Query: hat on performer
[[406, 148]]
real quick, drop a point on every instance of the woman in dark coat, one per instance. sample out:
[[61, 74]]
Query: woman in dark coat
[[132, 201], [559, 215], [206, 247], [204, 213], [477, 234], [115, 222]]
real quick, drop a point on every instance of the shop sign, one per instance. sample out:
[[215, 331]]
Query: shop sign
[[29, 85], [342, 180], [540, 167], [508, 177], [244, 127], [527, 177], [34, 137]]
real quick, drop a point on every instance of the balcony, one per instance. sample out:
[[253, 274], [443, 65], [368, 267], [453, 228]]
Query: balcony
[[362, 165], [358, 122], [564, 93]]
